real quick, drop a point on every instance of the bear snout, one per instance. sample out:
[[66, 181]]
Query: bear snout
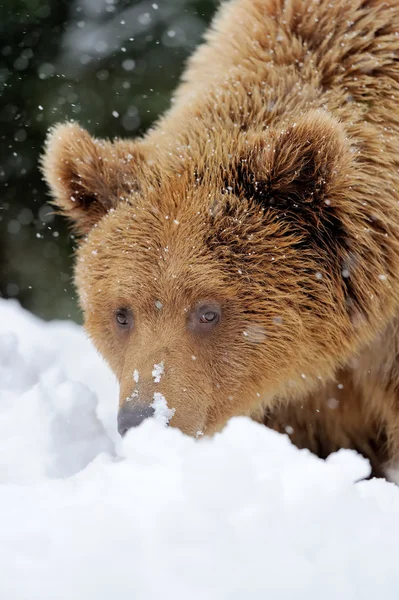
[[131, 415]]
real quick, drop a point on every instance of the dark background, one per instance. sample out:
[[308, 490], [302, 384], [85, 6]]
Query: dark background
[[111, 65]]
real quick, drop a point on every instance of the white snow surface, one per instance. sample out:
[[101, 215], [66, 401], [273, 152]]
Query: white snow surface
[[241, 516]]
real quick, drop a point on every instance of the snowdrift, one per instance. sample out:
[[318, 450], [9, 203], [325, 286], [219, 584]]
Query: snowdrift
[[243, 516]]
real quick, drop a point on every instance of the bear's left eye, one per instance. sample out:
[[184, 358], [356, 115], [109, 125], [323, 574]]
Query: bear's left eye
[[209, 317], [204, 317]]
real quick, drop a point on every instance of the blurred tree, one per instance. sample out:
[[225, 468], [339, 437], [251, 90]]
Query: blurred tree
[[109, 64]]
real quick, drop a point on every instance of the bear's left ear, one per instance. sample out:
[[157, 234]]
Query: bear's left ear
[[88, 177], [302, 167]]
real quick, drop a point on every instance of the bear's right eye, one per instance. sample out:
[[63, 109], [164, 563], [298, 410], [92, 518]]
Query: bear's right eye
[[123, 317]]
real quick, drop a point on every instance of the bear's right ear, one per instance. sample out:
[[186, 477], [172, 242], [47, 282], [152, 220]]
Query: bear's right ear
[[87, 177]]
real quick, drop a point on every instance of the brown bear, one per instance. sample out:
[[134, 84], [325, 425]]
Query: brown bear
[[243, 257]]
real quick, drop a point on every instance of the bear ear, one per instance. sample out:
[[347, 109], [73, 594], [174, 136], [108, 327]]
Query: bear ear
[[300, 168], [87, 177]]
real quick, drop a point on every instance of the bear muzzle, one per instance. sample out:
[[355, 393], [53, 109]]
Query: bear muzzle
[[132, 415]]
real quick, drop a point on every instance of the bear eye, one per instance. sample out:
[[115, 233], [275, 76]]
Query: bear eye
[[204, 317], [209, 317], [123, 317]]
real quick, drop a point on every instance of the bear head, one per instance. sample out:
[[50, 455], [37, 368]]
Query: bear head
[[211, 276]]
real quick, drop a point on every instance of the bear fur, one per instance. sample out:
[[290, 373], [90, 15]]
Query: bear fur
[[268, 195]]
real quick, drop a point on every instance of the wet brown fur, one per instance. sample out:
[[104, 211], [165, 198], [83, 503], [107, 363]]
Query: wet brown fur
[[272, 187]]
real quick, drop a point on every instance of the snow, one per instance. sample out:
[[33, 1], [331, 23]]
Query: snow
[[86, 515], [162, 413], [158, 371]]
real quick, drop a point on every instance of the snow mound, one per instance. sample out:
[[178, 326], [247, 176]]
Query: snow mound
[[244, 515]]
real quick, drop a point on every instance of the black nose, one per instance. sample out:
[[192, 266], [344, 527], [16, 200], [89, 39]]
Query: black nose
[[132, 415]]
